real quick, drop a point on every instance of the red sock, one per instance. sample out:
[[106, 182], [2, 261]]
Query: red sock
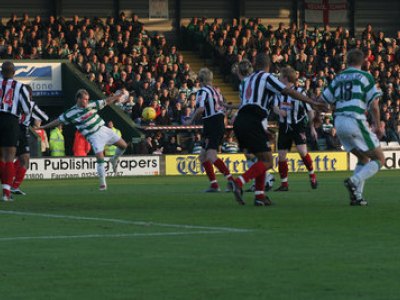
[[2, 171], [255, 170], [260, 183], [283, 172], [208, 167], [19, 172], [8, 178], [308, 162], [222, 168]]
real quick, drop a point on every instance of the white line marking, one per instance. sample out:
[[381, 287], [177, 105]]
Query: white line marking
[[120, 221], [117, 235]]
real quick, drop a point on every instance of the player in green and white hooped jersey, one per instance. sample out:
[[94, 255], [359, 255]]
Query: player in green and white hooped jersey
[[85, 118], [353, 93]]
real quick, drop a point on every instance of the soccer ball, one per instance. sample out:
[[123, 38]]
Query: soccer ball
[[149, 114], [269, 183]]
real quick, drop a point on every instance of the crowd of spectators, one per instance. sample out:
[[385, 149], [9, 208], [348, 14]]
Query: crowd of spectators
[[317, 54], [118, 53], [115, 53]]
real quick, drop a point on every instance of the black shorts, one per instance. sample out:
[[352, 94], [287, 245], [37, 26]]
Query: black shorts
[[291, 133], [23, 140], [250, 132], [213, 131], [9, 130]]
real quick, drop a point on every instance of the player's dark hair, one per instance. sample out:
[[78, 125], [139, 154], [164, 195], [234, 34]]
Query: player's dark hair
[[262, 62], [355, 57], [7, 70]]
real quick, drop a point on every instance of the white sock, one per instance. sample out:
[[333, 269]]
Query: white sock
[[360, 187], [101, 171], [367, 171], [118, 152]]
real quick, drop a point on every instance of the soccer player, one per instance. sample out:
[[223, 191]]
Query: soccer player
[[21, 164], [14, 100], [293, 117], [250, 124], [244, 69], [354, 93], [85, 118], [210, 104]]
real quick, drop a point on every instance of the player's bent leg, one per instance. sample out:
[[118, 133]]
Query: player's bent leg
[[283, 171], [7, 171], [101, 171], [211, 155], [121, 147], [20, 166], [209, 169], [308, 162]]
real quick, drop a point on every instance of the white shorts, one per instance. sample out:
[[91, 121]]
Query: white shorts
[[355, 134], [104, 136]]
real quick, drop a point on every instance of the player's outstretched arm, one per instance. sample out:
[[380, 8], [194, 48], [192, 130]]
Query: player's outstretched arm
[[52, 124], [113, 98], [317, 105], [375, 112]]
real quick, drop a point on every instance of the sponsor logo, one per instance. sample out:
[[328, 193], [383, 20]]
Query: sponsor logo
[[237, 164]]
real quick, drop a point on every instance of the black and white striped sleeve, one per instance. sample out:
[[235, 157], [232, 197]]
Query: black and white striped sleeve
[[39, 114], [274, 85], [200, 98], [24, 100]]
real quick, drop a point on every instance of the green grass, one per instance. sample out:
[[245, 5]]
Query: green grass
[[72, 242]]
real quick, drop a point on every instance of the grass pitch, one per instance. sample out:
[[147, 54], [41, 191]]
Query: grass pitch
[[162, 238]]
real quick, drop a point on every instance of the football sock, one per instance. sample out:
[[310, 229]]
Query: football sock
[[7, 178], [208, 167], [222, 168], [256, 170], [308, 162], [259, 194], [118, 152], [2, 166], [19, 172], [101, 171], [283, 172], [360, 187], [260, 182], [367, 171]]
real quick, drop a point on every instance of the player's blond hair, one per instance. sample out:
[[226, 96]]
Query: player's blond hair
[[289, 73], [205, 76], [80, 93]]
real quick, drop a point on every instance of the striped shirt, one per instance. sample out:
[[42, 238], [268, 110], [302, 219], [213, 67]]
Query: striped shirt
[[211, 100], [295, 109], [259, 89], [14, 97], [85, 119], [36, 114], [352, 92]]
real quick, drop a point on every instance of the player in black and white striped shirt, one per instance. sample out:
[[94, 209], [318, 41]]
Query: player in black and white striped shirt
[[21, 164], [293, 118], [210, 103], [257, 93], [14, 100]]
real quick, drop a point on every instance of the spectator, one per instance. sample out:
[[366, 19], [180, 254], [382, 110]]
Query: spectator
[[81, 146], [57, 146], [110, 150], [172, 146]]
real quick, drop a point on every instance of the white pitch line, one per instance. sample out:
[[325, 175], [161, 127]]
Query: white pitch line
[[117, 235], [121, 221]]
